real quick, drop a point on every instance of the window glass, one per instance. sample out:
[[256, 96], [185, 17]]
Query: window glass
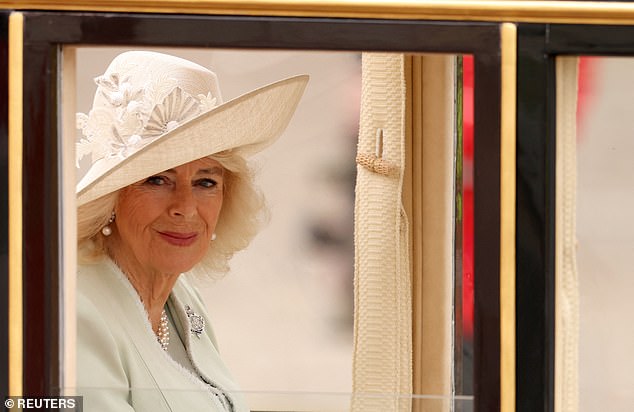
[[283, 316], [605, 233]]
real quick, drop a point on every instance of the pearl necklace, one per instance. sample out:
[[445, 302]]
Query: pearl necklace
[[163, 334]]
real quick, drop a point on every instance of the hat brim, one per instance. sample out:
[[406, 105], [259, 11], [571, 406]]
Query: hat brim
[[246, 124]]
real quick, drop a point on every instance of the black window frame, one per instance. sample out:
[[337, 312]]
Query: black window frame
[[538, 47]]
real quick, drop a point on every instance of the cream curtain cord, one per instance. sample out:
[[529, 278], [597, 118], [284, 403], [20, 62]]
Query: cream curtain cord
[[567, 284], [382, 360]]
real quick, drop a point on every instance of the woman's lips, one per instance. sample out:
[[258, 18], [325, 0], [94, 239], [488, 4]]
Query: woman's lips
[[179, 239]]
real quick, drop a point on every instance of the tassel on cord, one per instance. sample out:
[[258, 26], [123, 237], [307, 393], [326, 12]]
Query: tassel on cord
[[375, 162]]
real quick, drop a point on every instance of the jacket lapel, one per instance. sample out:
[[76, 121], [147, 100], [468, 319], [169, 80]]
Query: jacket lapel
[[201, 344], [166, 378]]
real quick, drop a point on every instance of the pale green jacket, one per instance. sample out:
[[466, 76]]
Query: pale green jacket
[[122, 367]]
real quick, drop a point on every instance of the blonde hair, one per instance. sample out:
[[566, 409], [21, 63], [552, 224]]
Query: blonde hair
[[242, 215]]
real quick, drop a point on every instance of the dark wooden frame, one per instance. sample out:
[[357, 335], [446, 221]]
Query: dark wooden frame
[[538, 46], [535, 239], [46, 32]]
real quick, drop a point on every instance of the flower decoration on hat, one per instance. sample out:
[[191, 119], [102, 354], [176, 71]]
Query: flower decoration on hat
[[132, 117]]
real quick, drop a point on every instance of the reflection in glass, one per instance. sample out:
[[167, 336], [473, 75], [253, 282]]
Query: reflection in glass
[[463, 276], [605, 233]]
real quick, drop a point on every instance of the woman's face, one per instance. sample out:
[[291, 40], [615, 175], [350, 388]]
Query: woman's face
[[165, 222]]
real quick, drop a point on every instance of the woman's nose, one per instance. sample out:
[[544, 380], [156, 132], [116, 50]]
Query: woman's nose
[[183, 203]]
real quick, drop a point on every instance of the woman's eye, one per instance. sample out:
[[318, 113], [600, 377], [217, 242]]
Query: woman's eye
[[207, 183], [155, 180]]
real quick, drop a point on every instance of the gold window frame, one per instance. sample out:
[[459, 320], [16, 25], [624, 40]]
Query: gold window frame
[[509, 12]]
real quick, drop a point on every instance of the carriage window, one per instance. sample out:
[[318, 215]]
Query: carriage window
[[283, 315]]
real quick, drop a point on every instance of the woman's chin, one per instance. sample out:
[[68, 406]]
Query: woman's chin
[[175, 266], [176, 259]]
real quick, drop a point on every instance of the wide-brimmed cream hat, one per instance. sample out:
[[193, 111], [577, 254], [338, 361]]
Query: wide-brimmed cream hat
[[153, 112]]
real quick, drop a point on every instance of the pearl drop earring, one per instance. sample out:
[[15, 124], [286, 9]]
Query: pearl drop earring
[[213, 236], [107, 230]]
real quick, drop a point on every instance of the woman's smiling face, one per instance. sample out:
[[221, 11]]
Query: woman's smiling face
[[165, 222]]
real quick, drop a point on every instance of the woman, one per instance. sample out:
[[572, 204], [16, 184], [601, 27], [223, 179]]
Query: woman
[[168, 194]]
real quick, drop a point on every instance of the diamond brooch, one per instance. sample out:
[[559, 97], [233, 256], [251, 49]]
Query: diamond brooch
[[196, 322]]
